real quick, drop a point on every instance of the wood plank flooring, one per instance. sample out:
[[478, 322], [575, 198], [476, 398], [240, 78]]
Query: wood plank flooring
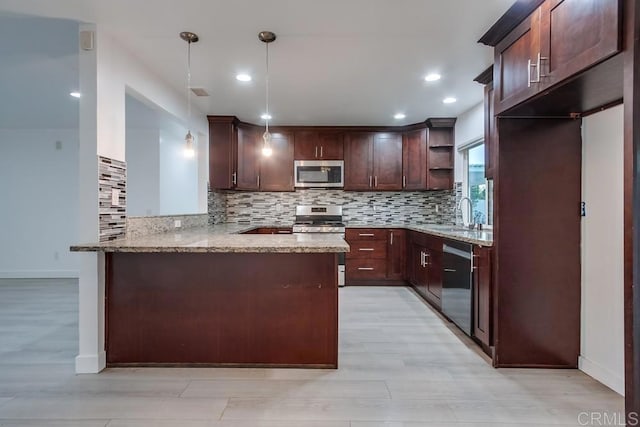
[[401, 365]]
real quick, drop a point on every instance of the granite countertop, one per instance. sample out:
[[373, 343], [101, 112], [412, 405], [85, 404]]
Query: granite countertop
[[221, 238], [476, 237]]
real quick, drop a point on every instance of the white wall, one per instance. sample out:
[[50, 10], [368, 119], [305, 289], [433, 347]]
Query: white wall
[[602, 352], [143, 172], [39, 203], [178, 176], [469, 128]]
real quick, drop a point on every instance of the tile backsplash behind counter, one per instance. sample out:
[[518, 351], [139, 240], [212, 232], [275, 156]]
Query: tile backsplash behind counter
[[418, 207]]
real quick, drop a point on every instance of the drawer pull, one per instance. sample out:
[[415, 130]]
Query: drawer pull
[[365, 268], [449, 270], [366, 249], [366, 234]]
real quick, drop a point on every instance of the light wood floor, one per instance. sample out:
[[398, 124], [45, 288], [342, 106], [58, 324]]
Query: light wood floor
[[400, 366]]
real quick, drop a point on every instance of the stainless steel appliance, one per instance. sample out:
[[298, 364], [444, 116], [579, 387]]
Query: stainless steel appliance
[[322, 219], [319, 173], [457, 284]]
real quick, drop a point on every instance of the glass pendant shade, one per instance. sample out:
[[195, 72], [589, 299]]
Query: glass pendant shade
[[189, 145]]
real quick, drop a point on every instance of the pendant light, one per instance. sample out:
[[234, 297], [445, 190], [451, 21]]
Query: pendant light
[[266, 37], [189, 141]]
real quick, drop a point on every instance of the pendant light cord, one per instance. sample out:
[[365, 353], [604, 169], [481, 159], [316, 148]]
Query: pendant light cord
[[189, 86], [267, 88]]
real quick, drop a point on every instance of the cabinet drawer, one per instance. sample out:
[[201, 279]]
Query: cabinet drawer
[[366, 234], [363, 269], [376, 249]]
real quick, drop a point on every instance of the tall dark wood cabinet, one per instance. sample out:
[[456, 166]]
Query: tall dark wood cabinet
[[414, 160]]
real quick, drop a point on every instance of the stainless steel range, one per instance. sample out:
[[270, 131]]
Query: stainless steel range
[[322, 219]]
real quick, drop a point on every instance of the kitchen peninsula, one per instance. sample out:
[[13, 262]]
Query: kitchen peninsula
[[212, 296]]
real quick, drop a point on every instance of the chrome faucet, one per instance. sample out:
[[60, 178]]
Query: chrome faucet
[[471, 223]]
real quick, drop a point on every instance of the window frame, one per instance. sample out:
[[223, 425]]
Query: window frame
[[464, 151]]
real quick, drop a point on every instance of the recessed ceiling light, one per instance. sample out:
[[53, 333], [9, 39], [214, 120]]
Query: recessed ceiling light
[[433, 77], [76, 94], [449, 100], [399, 116], [265, 117], [243, 77]]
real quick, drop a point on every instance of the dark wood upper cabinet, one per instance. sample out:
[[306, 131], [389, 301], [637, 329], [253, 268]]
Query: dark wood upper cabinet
[[514, 57], [222, 152], [248, 159], [559, 40], [276, 171], [414, 160], [319, 145], [482, 294], [358, 161], [576, 34], [387, 161]]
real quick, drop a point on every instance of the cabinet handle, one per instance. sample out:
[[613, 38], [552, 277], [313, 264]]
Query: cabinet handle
[[321, 155], [528, 73], [391, 242], [370, 181], [316, 151], [375, 181], [234, 178], [366, 234], [421, 259], [258, 181], [366, 249], [284, 232], [365, 268], [449, 270], [538, 67], [404, 181]]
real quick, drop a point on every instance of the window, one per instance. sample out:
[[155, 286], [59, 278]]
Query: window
[[475, 186]]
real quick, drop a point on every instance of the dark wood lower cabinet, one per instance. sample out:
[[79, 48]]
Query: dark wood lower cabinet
[[222, 309], [377, 256], [482, 295], [396, 258]]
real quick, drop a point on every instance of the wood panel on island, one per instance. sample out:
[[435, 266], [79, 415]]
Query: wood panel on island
[[412, 158]]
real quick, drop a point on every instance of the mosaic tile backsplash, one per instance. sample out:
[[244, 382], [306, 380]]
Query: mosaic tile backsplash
[[359, 207], [112, 174]]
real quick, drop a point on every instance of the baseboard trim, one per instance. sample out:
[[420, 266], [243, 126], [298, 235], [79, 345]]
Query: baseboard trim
[[91, 363], [40, 274], [601, 374]]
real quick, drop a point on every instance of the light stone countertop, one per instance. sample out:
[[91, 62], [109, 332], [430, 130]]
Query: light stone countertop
[[227, 238], [221, 238], [476, 237]]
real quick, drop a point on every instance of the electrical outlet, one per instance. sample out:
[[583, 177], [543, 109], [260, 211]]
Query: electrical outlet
[[437, 208], [177, 223], [115, 197], [583, 209]]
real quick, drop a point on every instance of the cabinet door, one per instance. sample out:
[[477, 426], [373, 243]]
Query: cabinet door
[[358, 161], [330, 145], [482, 294], [397, 245], [222, 154], [512, 72], [276, 171], [306, 145], [248, 160], [490, 132], [414, 160], [387, 161], [577, 34]]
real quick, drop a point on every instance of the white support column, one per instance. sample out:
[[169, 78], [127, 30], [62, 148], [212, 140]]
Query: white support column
[[91, 357]]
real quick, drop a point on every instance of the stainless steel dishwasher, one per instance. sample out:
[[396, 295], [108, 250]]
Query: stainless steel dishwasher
[[457, 284]]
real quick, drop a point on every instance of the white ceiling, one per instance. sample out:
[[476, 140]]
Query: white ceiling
[[335, 61]]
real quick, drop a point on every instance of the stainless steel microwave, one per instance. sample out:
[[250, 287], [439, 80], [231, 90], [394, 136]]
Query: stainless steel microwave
[[319, 173]]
